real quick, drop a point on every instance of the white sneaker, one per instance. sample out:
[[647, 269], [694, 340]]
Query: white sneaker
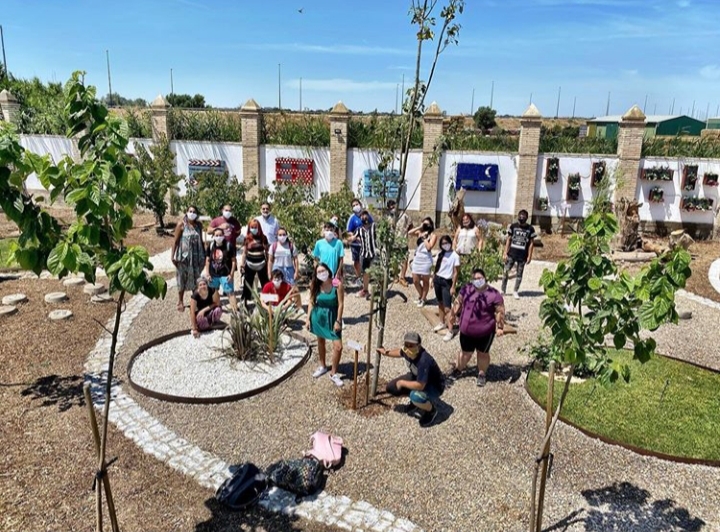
[[439, 327], [420, 303], [516, 295], [337, 379], [322, 370], [448, 336]]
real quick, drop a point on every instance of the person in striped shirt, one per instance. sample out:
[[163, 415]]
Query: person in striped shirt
[[364, 235]]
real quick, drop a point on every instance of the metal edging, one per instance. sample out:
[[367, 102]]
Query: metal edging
[[208, 400], [629, 447]]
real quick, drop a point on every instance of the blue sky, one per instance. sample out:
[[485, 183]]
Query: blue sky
[[357, 52]]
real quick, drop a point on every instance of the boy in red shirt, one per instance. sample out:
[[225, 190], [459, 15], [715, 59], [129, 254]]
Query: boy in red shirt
[[278, 286]]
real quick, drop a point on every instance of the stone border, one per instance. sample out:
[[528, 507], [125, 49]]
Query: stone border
[[714, 275], [208, 470], [209, 400]]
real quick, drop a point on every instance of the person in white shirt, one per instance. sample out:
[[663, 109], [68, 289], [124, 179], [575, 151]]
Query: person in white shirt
[[268, 223], [468, 236], [447, 268]]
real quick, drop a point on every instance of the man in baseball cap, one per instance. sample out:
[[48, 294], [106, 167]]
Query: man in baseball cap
[[424, 383]]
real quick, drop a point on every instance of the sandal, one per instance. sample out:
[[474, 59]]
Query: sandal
[[181, 307]]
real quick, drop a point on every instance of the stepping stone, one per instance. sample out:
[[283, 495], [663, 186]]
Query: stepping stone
[[7, 310], [94, 289], [56, 297], [74, 281], [62, 314], [14, 299], [685, 314], [101, 298], [46, 275]]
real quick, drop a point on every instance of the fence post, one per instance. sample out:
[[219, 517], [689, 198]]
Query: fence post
[[430, 171], [630, 141], [529, 148], [10, 106], [250, 117], [159, 117], [339, 118]]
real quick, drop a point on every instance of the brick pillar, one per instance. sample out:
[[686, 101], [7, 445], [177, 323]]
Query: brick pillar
[[630, 141], [159, 117], [10, 106], [530, 123], [432, 130], [339, 118], [250, 118]]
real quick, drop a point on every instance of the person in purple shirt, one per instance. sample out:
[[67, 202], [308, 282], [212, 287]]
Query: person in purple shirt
[[481, 309]]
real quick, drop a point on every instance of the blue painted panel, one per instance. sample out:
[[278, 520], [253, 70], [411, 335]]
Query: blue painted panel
[[481, 177], [374, 181]]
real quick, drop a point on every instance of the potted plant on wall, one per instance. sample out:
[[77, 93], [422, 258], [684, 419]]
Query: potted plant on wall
[[693, 203], [573, 190], [690, 174], [543, 203], [598, 172], [658, 173], [656, 195], [710, 179], [552, 170]]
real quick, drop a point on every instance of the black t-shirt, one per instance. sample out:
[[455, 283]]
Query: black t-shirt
[[520, 238], [425, 370], [221, 258], [201, 303]]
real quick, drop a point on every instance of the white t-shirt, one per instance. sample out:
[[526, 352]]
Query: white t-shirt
[[270, 226], [283, 255], [450, 261]]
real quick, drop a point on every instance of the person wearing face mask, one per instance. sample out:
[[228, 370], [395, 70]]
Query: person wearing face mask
[[220, 265], [269, 223], [325, 311], [280, 287], [283, 256], [230, 225], [481, 309], [402, 226], [423, 261], [205, 309], [353, 224], [447, 268], [518, 250], [365, 234], [254, 259], [188, 253], [330, 250], [424, 383], [468, 236]]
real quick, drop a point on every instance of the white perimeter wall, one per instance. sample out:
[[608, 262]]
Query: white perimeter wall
[[360, 160], [557, 192], [320, 156], [669, 210], [230, 152], [55, 146], [502, 201]]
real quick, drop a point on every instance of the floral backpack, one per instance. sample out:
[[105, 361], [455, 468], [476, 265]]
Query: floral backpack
[[326, 448]]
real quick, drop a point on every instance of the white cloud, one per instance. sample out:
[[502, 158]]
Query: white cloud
[[345, 49], [710, 72], [341, 85]]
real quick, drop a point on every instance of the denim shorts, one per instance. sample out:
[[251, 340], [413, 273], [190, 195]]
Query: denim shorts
[[288, 273], [226, 283]]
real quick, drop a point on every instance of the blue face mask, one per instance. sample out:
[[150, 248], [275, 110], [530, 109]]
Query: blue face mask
[[254, 231]]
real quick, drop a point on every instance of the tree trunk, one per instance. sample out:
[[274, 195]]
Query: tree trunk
[[627, 213], [382, 312]]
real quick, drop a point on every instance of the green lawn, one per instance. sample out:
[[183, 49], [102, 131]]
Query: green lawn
[[684, 421], [5, 253]]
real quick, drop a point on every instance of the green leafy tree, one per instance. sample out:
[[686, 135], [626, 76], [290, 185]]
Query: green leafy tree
[[102, 188], [116, 100], [41, 105], [157, 176], [187, 101], [211, 191], [588, 300], [484, 118]]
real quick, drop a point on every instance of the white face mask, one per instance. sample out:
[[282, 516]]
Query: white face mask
[[329, 236], [357, 209], [447, 247], [323, 276], [266, 215], [218, 239], [227, 214], [277, 283], [479, 283], [282, 238], [192, 216]]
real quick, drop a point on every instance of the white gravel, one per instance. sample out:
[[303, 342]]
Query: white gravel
[[194, 367]]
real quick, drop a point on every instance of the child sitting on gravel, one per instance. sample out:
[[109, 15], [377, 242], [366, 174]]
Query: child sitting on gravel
[[205, 309]]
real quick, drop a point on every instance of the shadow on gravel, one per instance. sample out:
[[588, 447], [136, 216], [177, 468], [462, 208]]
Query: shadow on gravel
[[531, 293], [65, 392], [624, 506], [505, 372], [255, 519]]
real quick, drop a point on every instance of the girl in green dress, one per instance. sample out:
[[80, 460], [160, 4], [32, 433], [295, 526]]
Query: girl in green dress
[[325, 312]]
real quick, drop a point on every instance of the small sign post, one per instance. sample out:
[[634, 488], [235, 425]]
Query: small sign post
[[356, 347], [270, 298]]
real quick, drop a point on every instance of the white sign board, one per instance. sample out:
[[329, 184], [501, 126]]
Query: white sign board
[[354, 345], [269, 298]]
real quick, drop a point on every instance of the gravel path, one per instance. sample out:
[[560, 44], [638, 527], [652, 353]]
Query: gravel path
[[193, 367], [471, 471]]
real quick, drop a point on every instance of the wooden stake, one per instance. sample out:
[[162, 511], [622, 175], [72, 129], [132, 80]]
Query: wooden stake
[[355, 381], [105, 478], [270, 325], [536, 520], [368, 349]]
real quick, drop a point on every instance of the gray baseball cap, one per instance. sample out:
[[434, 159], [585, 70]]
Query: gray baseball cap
[[412, 338]]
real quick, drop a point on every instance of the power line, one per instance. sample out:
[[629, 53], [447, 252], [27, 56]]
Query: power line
[[110, 94], [557, 108], [2, 40], [172, 85]]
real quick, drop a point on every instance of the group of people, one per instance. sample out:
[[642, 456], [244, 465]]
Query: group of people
[[476, 310]]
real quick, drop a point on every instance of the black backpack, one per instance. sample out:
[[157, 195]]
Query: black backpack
[[303, 476], [243, 489]]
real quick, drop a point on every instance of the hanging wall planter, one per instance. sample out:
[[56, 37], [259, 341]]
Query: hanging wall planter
[[690, 174], [710, 180], [598, 173], [573, 189], [543, 204], [656, 195], [552, 170], [658, 173], [693, 203]]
